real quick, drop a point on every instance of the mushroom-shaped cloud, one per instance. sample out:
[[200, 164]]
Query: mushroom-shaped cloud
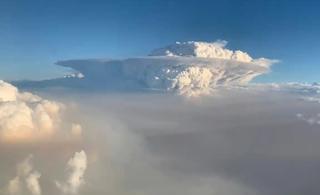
[[191, 68]]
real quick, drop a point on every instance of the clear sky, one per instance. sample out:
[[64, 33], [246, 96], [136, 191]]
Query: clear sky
[[36, 33]]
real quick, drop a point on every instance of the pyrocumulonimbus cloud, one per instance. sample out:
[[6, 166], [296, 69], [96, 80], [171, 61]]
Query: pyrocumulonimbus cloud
[[190, 68]]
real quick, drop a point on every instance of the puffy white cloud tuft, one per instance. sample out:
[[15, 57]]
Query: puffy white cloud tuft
[[78, 75], [25, 117], [33, 183], [76, 168], [193, 81], [27, 179], [7, 92]]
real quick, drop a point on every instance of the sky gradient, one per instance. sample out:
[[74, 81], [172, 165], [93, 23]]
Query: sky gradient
[[35, 34]]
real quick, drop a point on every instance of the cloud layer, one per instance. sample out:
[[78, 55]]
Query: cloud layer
[[242, 141]]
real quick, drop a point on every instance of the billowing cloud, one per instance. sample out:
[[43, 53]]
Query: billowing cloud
[[188, 68], [215, 50], [26, 117], [8, 92], [76, 168], [27, 179]]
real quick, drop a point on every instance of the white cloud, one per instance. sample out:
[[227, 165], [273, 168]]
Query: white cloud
[[78, 75], [27, 179], [8, 92], [76, 130], [76, 168], [237, 142], [25, 117], [33, 183], [207, 50], [193, 81], [190, 68], [304, 91]]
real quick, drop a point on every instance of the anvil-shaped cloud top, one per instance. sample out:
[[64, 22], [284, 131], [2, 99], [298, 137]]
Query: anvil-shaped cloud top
[[190, 68]]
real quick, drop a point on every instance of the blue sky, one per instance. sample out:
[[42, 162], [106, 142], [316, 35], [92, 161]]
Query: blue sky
[[36, 33]]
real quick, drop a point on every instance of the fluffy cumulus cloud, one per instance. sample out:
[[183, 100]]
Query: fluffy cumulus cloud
[[189, 68], [76, 168], [8, 92], [27, 179], [26, 117]]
